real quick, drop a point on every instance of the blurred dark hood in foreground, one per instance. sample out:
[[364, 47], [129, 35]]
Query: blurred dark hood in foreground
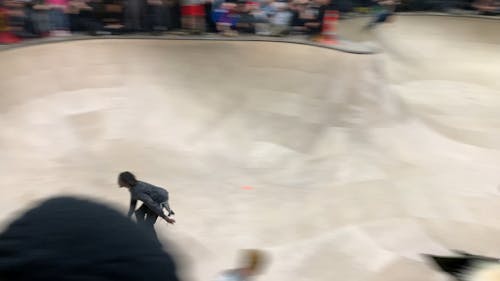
[[73, 239]]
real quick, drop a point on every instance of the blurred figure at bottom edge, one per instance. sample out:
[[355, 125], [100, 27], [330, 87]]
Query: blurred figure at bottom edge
[[67, 238], [252, 265]]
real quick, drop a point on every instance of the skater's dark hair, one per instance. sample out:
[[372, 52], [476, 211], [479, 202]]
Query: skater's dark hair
[[127, 178]]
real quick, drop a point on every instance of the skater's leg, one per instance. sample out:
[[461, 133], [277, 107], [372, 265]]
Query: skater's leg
[[151, 218], [140, 214], [149, 223], [146, 218]]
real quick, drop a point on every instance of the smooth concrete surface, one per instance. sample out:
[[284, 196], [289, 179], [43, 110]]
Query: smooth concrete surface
[[347, 46], [356, 163]]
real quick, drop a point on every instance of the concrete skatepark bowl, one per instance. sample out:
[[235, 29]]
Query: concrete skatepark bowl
[[356, 163]]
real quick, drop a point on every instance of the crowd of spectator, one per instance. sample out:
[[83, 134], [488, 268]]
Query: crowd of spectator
[[487, 7], [42, 18]]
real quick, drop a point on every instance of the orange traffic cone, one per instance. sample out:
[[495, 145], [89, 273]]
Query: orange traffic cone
[[329, 34]]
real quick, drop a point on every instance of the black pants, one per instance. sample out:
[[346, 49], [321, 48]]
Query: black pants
[[134, 14], [147, 219], [211, 26], [157, 18], [84, 22], [174, 21]]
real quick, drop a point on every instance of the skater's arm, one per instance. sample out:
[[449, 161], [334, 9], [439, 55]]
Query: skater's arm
[[131, 210]]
